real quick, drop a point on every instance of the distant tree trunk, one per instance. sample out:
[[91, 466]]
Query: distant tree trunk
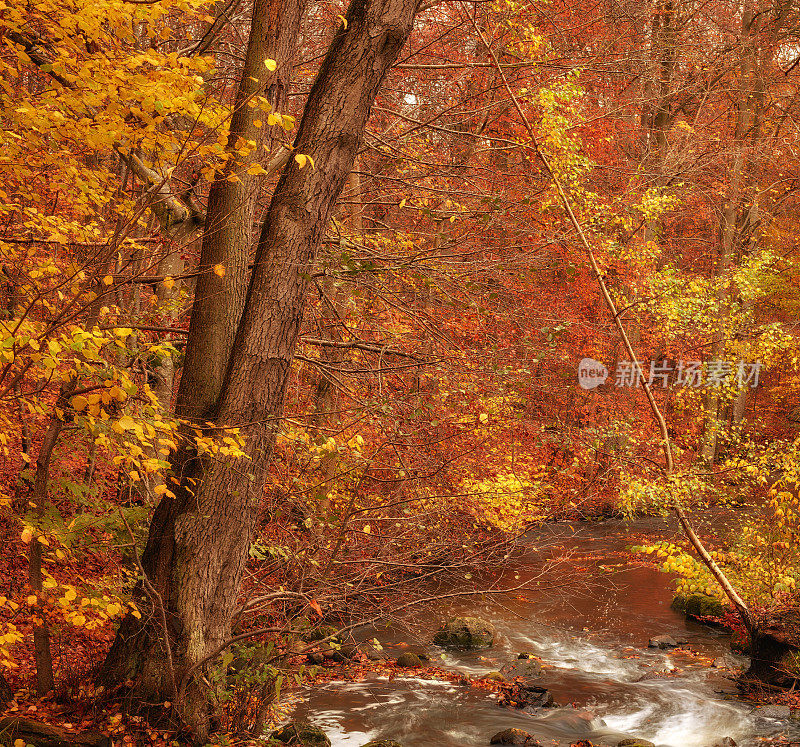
[[40, 499], [198, 541], [747, 113]]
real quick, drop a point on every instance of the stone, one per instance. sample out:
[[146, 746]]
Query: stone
[[518, 694], [372, 651], [320, 633], [527, 668], [635, 742], [493, 676], [720, 663], [342, 653], [725, 742], [774, 711], [790, 664], [383, 743], [466, 633], [662, 641], [301, 734], [315, 657], [515, 736], [409, 660], [526, 655], [697, 605]]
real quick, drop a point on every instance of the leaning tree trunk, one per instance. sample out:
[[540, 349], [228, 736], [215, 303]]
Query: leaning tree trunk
[[198, 541]]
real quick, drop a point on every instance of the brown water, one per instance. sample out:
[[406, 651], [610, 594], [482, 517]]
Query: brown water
[[593, 644]]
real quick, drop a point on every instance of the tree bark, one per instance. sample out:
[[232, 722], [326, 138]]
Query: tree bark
[[228, 235], [198, 541], [40, 499], [747, 113]]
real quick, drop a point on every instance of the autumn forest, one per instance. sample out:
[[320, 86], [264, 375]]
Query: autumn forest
[[319, 322]]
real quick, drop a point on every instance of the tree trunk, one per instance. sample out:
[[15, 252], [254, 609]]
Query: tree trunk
[[40, 500], [198, 541], [228, 236], [746, 116]]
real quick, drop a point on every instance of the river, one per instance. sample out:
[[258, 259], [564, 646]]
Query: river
[[592, 640]]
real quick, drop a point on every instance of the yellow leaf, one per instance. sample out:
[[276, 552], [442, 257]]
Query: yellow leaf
[[219, 270], [256, 169], [271, 65], [27, 535], [367, 529], [301, 160], [403, 202], [127, 423], [50, 583], [19, 743], [79, 620], [484, 418], [108, 280], [113, 609], [343, 20], [79, 402], [168, 282], [31, 600]]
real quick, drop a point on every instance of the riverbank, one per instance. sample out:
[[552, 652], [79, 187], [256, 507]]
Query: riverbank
[[592, 642]]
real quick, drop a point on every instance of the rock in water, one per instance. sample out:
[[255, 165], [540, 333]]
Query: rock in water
[[383, 743], [409, 660], [527, 668], [635, 743], [726, 742], [518, 694], [697, 605], [662, 641], [465, 633], [301, 734], [515, 736], [774, 711]]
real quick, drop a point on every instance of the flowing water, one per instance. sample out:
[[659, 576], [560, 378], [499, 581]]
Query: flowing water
[[593, 645]]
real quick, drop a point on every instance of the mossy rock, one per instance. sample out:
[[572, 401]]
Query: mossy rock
[[409, 660], [301, 734], [635, 743], [321, 632], [790, 664], [698, 605], [383, 743], [466, 633]]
